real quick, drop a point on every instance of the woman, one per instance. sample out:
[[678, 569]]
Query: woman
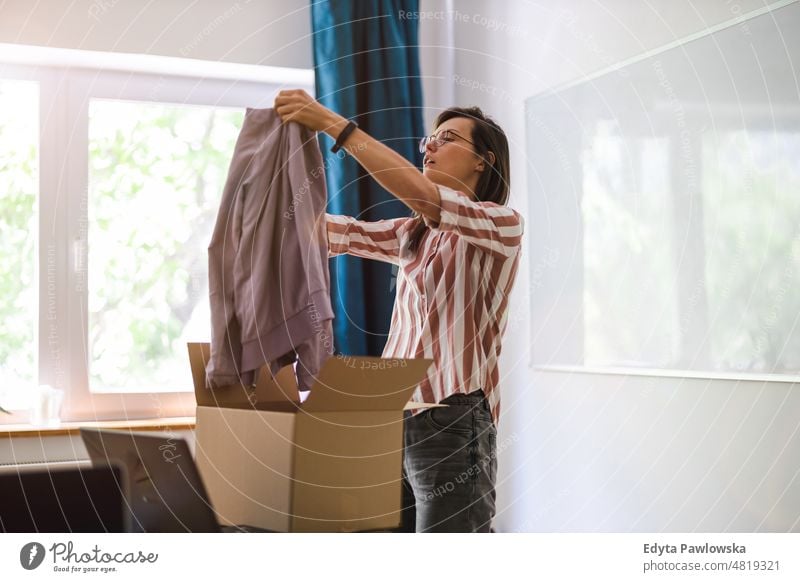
[[457, 256]]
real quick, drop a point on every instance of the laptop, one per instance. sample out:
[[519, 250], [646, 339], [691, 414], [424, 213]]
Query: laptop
[[166, 491], [63, 500]]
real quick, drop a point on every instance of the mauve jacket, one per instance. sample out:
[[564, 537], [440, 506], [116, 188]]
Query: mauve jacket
[[268, 258]]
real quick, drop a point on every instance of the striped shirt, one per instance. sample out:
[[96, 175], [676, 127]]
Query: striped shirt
[[452, 295]]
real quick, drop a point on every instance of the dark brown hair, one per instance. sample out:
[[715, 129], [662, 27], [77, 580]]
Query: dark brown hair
[[494, 183]]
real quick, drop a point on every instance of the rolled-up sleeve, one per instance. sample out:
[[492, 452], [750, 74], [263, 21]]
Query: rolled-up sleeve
[[493, 228], [379, 240]]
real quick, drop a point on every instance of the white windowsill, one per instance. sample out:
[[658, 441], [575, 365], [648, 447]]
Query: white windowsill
[[73, 428]]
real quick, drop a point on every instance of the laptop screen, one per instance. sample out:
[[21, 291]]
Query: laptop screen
[[166, 491], [63, 500]]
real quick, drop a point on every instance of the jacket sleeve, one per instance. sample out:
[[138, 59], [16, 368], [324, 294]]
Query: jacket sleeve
[[493, 228], [379, 240], [222, 368]]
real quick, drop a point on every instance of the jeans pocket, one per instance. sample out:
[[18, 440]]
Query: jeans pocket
[[456, 419], [492, 456], [484, 414]]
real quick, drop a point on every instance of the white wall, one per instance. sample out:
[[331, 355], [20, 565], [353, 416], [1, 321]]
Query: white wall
[[609, 453], [242, 31]]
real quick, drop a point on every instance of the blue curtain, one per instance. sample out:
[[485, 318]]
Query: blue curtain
[[367, 69]]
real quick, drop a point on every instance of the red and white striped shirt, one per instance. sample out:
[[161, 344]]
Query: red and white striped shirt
[[452, 294]]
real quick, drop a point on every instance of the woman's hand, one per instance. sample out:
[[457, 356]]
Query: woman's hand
[[297, 105]]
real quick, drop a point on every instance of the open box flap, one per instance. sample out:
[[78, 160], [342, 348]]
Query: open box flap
[[345, 383], [269, 393], [351, 383]]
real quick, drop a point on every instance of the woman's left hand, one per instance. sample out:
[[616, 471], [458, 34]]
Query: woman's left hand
[[297, 105]]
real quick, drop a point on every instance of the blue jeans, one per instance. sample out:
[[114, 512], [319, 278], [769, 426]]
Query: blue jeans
[[450, 467]]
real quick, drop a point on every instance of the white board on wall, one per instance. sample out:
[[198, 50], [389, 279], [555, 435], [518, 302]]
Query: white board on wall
[[665, 225]]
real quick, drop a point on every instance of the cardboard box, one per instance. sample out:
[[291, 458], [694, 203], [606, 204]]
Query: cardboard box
[[330, 463]]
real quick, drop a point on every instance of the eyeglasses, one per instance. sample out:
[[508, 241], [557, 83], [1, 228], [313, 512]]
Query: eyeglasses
[[438, 140]]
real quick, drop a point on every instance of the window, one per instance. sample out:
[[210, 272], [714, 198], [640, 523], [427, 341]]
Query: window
[[19, 186], [108, 199], [148, 279], [666, 236]]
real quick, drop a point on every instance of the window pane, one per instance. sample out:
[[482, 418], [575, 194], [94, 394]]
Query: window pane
[[19, 185], [155, 181]]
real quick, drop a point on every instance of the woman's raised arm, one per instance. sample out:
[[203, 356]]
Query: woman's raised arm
[[390, 169]]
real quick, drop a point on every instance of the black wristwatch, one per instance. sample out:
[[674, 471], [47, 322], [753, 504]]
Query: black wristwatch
[[349, 128]]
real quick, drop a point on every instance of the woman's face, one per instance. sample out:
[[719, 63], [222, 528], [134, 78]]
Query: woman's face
[[454, 164]]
